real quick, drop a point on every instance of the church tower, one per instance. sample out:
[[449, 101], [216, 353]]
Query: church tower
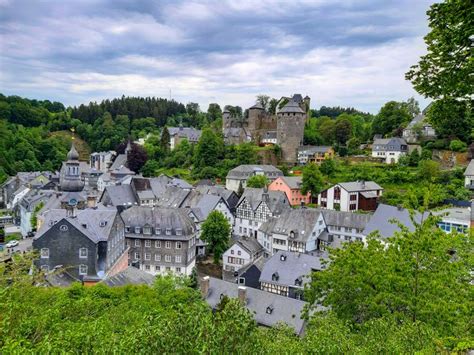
[[70, 174]]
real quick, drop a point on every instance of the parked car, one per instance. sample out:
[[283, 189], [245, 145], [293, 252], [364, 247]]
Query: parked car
[[12, 243]]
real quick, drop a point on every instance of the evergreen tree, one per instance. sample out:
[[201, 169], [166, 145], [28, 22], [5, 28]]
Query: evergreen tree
[[165, 140]]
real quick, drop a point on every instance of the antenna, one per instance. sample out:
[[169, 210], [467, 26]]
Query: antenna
[[170, 94]]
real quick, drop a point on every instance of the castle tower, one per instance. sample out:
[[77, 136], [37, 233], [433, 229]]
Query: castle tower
[[307, 104], [70, 172], [226, 119], [255, 116], [290, 130]]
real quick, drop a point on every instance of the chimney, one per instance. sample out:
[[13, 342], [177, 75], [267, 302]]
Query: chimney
[[242, 292], [205, 286], [91, 201]]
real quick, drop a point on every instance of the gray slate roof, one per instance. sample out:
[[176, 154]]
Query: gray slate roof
[[130, 276], [215, 190], [163, 218], [291, 266], [277, 200], [292, 107], [201, 204], [88, 221], [120, 160], [311, 149], [120, 195], [359, 186], [294, 182], [390, 144], [249, 244], [172, 197], [285, 309], [244, 171], [346, 219], [380, 220], [470, 169], [299, 221], [190, 133]]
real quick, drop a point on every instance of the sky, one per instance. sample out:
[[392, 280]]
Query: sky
[[339, 52]]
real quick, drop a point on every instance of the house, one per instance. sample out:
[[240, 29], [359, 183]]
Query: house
[[235, 135], [255, 207], [237, 177], [268, 309], [161, 240], [88, 244], [269, 138], [101, 161], [469, 176], [382, 221], [130, 276], [351, 196], [418, 128], [177, 134], [119, 196], [291, 186], [229, 196], [457, 219], [287, 273], [314, 154], [247, 275], [28, 207], [244, 251], [389, 149], [295, 230], [343, 227]]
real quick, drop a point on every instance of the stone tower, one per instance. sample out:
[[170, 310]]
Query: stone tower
[[70, 172], [226, 119], [291, 120], [254, 120], [307, 105]]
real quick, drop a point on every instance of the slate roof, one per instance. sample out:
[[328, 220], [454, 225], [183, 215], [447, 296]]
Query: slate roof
[[215, 190], [277, 200], [291, 266], [417, 119], [292, 107], [120, 195], [88, 221], [346, 219], [257, 106], [359, 186], [470, 169], [201, 204], [173, 218], [172, 197], [270, 135], [244, 171], [249, 244], [311, 149], [293, 182], [285, 309], [130, 276], [120, 160], [380, 220], [234, 132], [299, 221], [190, 133], [389, 144]]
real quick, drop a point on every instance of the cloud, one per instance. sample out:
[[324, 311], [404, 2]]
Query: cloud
[[350, 53]]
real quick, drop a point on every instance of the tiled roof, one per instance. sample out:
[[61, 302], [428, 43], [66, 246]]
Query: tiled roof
[[358, 186]]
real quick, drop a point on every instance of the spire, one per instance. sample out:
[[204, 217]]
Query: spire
[[73, 154], [128, 148]]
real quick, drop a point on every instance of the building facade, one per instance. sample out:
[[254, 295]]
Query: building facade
[[314, 154], [237, 177], [291, 186], [351, 196], [389, 150], [243, 252]]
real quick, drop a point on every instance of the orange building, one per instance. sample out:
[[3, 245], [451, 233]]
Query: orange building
[[291, 186]]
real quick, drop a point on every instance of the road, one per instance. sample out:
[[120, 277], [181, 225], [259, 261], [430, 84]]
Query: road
[[25, 245]]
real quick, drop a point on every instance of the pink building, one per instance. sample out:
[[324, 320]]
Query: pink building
[[291, 186]]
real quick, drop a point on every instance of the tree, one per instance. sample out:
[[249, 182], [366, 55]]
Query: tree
[[328, 167], [416, 276], [209, 150], [390, 118], [343, 129], [214, 112], [165, 140], [412, 106], [312, 181], [446, 70], [136, 158], [258, 181], [428, 170], [264, 100], [150, 168], [327, 130], [451, 118], [216, 232], [192, 109]]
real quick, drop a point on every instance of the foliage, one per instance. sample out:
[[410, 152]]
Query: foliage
[[136, 158], [457, 146], [391, 117], [328, 167], [165, 140], [258, 181], [451, 118], [216, 232], [312, 180]]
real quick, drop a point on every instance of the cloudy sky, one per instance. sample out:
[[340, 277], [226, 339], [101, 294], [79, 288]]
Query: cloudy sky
[[347, 52]]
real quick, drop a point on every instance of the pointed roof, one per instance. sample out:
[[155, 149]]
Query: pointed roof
[[73, 154], [291, 107], [257, 106]]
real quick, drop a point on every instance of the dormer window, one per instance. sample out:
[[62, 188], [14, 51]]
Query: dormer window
[[103, 223], [299, 281], [179, 231], [147, 230], [127, 229], [137, 230], [275, 276], [283, 257], [269, 310], [157, 230], [168, 231]]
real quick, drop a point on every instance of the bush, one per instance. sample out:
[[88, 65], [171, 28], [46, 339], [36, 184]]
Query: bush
[[457, 146]]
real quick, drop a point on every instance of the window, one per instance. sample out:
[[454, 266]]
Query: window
[[168, 231], [232, 251], [147, 230], [44, 253], [337, 193], [168, 268], [127, 229], [177, 258], [168, 244], [352, 207], [239, 252], [137, 242], [137, 230], [137, 256], [82, 269], [157, 243], [147, 267], [157, 257], [147, 256], [147, 243], [83, 253], [168, 258], [157, 268], [157, 231], [179, 231], [354, 197], [63, 228], [178, 245], [178, 270]]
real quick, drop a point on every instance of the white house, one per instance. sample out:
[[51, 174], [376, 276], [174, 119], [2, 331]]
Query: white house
[[255, 207], [469, 175], [241, 253], [351, 196], [418, 128], [389, 149], [296, 230], [238, 176]]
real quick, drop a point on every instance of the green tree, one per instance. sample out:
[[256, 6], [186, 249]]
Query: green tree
[[209, 150], [428, 170], [328, 167], [451, 118], [343, 129], [264, 100], [327, 130], [214, 112], [391, 117], [257, 181], [312, 180], [165, 140], [216, 233]]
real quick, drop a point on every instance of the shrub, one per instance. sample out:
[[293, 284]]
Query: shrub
[[457, 146]]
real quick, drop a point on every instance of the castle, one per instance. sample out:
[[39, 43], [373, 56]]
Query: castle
[[284, 128]]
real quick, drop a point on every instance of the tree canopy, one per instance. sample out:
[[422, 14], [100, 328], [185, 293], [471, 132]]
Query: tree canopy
[[216, 232]]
